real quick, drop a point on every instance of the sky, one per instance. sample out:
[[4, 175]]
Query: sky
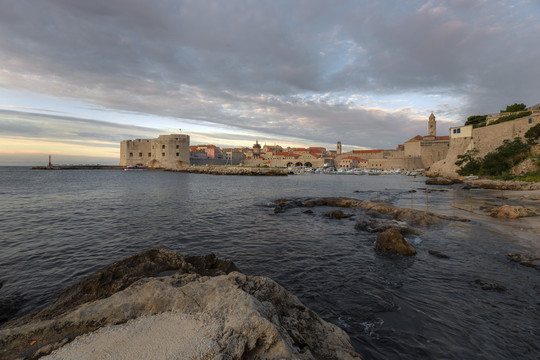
[[77, 76]]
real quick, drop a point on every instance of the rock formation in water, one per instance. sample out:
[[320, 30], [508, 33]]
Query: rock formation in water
[[511, 212], [392, 242], [206, 309], [525, 260], [412, 216], [439, 181]]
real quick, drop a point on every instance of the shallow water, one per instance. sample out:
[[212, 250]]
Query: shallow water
[[57, 227]]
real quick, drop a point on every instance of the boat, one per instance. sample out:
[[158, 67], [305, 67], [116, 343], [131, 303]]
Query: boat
[[134, 167]]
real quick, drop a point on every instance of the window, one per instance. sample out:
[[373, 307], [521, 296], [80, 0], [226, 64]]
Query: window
[[178, 146], [163, 146], [140, 154], [162, 154], [130, 154], [149, 154], [459, 131], [177, 154], [530, 121], [454, 131]]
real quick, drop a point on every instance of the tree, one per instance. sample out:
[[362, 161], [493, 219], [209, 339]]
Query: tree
[[515, 107], [533, 134], [468, 163]]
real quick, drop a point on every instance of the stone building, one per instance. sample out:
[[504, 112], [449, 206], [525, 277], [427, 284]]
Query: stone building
[[167, 152]]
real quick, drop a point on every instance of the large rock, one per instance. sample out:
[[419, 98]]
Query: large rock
[[511, 212], [391, 241], [201, 311], [377, 225], [438, 180]]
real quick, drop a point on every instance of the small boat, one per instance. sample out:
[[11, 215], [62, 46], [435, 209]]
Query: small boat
[[134, 167]]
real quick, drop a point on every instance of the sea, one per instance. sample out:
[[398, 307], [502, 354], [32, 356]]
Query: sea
[[57, 227]]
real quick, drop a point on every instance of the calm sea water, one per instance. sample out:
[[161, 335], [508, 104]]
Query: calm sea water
[[57, 227]]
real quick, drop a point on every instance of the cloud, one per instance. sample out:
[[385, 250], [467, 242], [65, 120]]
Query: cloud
[[303, 69]]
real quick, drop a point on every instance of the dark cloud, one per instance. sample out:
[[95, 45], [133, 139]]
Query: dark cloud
[[279, 67]]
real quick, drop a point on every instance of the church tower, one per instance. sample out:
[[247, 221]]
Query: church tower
[[338, 152], [432, 126]]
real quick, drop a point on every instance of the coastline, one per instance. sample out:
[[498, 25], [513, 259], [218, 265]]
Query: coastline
[[232, 170]]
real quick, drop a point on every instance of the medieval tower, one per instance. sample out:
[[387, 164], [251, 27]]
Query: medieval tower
[[338, 152], [432, 126]]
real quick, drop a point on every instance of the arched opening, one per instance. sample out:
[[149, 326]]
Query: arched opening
[[298, 164], [290, 164], [308, 164]]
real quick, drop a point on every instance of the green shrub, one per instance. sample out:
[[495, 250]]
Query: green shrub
[[533, 134], [511, 117], [515, 107], [475, 119], [495, 163], [509, 154], [469, 164]]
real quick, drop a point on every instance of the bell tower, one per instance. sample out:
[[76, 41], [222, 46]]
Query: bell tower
[[338, 152], [432, 126]]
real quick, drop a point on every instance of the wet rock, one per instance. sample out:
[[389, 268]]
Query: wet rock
[[337, 214], [9, 306], [439, 181], [308, 211], [503, 185], [380, 225], [235, 316], [392, 242], [438, 254], [511, 212], [413, 217], [525, 260], [412, 191], [490, 285]]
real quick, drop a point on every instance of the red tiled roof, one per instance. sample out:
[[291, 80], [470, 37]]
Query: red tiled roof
[[442, 137], [416, 138], [366, 151]]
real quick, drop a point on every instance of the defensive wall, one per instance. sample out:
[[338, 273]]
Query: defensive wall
[[167, 152], [484, 139]]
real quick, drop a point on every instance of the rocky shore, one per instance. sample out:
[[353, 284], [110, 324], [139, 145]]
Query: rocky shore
[[161, 305], [233, 170]]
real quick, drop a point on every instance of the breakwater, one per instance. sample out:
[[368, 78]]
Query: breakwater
[[78, 167], [233, 170]]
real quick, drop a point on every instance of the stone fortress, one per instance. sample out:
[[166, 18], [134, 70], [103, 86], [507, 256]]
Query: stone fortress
[[167, 151]]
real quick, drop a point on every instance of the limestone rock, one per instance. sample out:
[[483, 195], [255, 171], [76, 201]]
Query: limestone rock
[[337, 214], [380, 225], [219, 314], [511, 212], [439, 181], [391, 241], [490, 285], [438, 254], [525, 260]]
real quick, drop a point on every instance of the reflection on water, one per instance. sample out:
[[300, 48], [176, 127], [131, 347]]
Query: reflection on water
[[59, 226]]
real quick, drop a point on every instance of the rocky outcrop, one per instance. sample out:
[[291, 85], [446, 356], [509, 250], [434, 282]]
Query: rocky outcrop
[[338, 214], [411, 216], [502, 184], [233, 170], [439, 181], [376, 225], [392, 242], [525, 260], [486, 285], [511, 212], [132, 311], [438, 254]]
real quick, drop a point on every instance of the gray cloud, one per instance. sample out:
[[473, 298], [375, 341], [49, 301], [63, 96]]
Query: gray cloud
[[276, 67]]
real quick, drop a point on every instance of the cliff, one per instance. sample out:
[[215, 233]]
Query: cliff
[[205, 309]]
